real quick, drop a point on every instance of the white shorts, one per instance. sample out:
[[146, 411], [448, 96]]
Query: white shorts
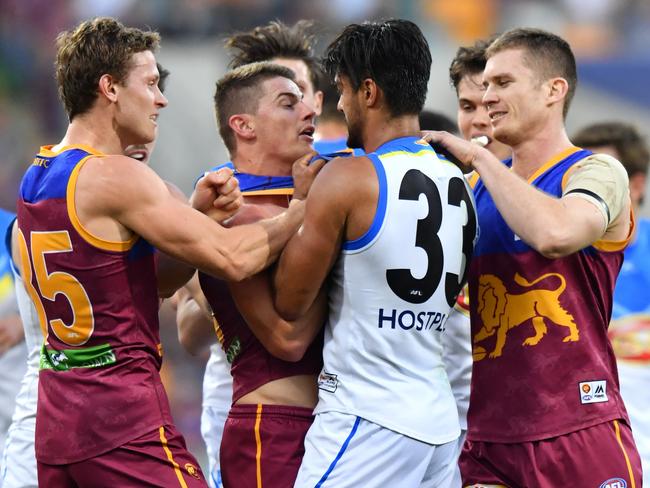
[[212, 422], [19, 460], [457, 481], [346, 451]]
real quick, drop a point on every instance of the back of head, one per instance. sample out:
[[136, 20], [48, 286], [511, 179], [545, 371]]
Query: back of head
[[239, 92], [624, 138], [330, 105], [469, 61], [430, 120], [393, 53], [94, 48], [548, 55], [276, 40]]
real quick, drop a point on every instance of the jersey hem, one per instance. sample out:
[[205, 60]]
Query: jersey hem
[[434, 440], [618, 415]]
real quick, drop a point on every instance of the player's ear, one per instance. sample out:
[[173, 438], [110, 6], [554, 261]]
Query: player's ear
[[558, 88], [242, 125], [318, 102], [108, 87], [369, 91]]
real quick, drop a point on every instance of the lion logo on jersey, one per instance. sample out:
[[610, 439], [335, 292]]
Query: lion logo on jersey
[[501, 311]]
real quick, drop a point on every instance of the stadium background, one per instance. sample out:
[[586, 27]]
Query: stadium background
[[610, 39]]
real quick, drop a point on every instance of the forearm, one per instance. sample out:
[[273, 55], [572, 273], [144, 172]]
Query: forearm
[[287, 340], [195, 328], [552, 226]]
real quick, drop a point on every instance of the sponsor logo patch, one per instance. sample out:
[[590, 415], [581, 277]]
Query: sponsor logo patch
[[593, 392], [328, 382], [614, 483]]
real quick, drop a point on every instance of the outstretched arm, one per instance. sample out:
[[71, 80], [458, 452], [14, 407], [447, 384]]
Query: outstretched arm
[[132, 194], [313, 250], [555, 227]]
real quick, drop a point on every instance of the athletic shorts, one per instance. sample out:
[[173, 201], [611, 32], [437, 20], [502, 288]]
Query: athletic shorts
[[602, 456], [345, 451], [157, 459], [212, 422], [263, 445]]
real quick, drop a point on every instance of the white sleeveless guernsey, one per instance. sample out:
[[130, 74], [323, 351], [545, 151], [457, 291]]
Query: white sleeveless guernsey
[[391, 292]]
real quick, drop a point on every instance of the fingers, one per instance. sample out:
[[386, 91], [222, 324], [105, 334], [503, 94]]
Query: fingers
[[317, 165], [221, 176], [431, 136]]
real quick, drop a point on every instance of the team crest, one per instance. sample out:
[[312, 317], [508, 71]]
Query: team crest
[[192, 470], [501, 311]]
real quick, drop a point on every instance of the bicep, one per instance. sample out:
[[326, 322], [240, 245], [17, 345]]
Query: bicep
[[585, 219], [311, 252]]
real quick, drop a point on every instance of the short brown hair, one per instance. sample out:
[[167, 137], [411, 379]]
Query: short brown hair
[[469, 61], [545, 53], [239, 91], [277, 40], [625, 138], [94, 48]]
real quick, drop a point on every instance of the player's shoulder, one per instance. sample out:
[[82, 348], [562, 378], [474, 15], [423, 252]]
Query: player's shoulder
[[600, 164]]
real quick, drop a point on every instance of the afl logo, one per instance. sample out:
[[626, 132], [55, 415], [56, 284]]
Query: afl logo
[[586, 388], [614, 483]]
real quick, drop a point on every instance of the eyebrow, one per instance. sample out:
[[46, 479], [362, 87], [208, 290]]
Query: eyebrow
[[465, 100], [290, 95]]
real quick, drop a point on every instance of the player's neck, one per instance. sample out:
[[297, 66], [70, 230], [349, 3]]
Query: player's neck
[[532, 153], [87, 131], [381, 130]]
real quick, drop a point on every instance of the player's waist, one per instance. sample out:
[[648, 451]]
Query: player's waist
[[98, 356]]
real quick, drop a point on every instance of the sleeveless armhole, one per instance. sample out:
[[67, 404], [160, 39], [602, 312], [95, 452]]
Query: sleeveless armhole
[[380, 212], [98, 242]]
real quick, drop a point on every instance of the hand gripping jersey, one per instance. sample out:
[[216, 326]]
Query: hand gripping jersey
[[391, 293], [97, 303], [543, 365], [251, 364]]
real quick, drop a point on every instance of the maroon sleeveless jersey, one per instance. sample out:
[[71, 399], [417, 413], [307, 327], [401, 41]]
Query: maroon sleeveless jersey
[[251, 364], [543, 365], [99, 384]]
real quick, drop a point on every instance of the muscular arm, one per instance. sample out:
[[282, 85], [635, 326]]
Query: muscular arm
[[118, 189], [254, 299], [555, 227], [313, 250], [287, 340], [172, 274]]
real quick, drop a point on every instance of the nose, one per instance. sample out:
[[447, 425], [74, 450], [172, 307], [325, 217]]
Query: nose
[[489, 96], [481, 118], [161, 100], [309, 112], [339, 105]]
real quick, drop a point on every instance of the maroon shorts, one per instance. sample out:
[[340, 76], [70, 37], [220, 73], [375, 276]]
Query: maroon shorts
[[263, 445], [157, 459], [602, 456]]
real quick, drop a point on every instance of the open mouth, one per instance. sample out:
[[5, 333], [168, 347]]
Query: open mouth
[[308, 132], [138, 154], [494, 116], [482, 140]]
